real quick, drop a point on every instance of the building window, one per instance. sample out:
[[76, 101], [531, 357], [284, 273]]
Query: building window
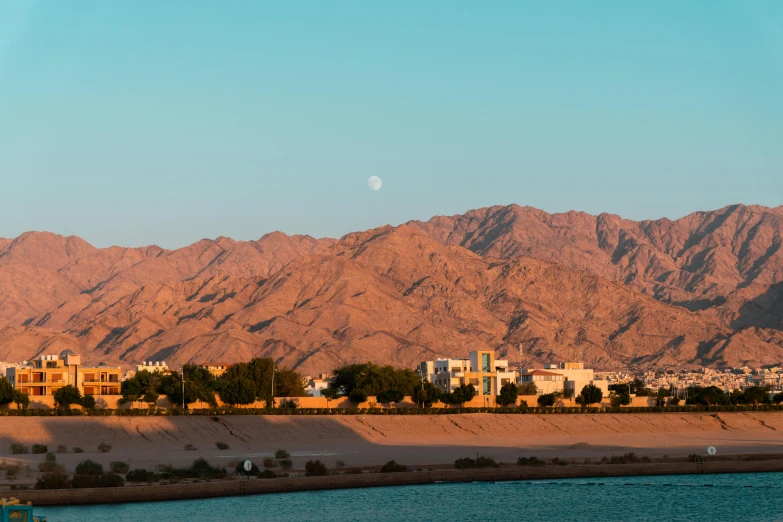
[[487, 385], [485, 366]]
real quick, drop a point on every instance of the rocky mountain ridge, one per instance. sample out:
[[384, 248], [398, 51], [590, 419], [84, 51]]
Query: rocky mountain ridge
[[702, 290]]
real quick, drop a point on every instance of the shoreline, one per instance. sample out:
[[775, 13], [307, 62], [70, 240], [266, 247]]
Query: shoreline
[[240, 487]]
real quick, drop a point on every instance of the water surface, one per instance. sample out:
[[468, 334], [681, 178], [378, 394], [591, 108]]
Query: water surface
[[752, 496]]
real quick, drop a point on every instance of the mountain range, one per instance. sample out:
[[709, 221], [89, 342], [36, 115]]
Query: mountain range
[[703, 290]]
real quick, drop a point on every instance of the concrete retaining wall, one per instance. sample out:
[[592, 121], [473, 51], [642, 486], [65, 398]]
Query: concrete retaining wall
[[259, 486]]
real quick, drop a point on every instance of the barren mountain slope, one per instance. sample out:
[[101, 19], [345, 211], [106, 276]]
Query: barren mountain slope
[[714, 261], [40, 271], [395, 295]]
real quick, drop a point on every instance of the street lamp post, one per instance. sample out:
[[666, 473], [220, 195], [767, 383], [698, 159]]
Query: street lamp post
[[182, 371], [274, 371]]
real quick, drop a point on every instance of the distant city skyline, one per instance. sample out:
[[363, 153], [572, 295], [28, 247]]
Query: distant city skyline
[[163, 123]]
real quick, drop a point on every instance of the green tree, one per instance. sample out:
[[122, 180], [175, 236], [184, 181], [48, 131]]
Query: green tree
[[331, 394], [620, 398], [239, 390], [131, 391], [528, 388], [390, 396], [66, 396], [144, 386], [755, 395], [199, 386], [358, 396], [22, 400], [508, 394], [709, 396], [88, 402], [289, 383], [590, 394], [374, 379], [426, 395], [461, 394], [260, 372], [778, 398], [6, 391], [546, 400]]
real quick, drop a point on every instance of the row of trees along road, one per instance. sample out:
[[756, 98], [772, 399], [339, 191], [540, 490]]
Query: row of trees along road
[[388, 384], [242, 384], [589, 395]]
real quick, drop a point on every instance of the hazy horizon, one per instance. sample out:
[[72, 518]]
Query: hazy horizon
[[264, 233]]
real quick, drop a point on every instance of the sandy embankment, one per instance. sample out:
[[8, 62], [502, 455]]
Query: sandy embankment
[[372, 440]]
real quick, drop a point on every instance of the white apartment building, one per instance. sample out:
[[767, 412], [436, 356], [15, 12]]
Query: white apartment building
[[157, 366], [481, 369], [572, 376], [316, 385]]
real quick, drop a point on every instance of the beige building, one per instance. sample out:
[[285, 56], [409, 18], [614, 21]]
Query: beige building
[[216, 369], [545, 381], [152, 367], [481, 369], [49, 373], [571, 376]]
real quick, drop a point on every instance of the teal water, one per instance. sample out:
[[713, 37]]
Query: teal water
[[754, 496]]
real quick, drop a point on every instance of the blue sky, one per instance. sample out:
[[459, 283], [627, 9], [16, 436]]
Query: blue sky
[[151, 122]]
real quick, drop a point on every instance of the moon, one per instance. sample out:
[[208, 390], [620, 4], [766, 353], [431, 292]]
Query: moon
[[374, 182]]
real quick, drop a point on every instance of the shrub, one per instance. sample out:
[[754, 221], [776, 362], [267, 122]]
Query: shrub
[[11, 471], [89, 467], [84, 481], [120, 467], [282, 454], [559, 462], [339, 464], [270, 463], [646, 459], [393, 467], [39, 449], [200, 469], [286, 463], [486, 462], [52, 480], [466, 463], [77, 449], [190, 447], [141, 475], [49, 466], [267, 474], [19, 449], [62, 449], [530, 461], [315, 468], [110, 480], [221, 445], [50, 457], [104, 448]]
